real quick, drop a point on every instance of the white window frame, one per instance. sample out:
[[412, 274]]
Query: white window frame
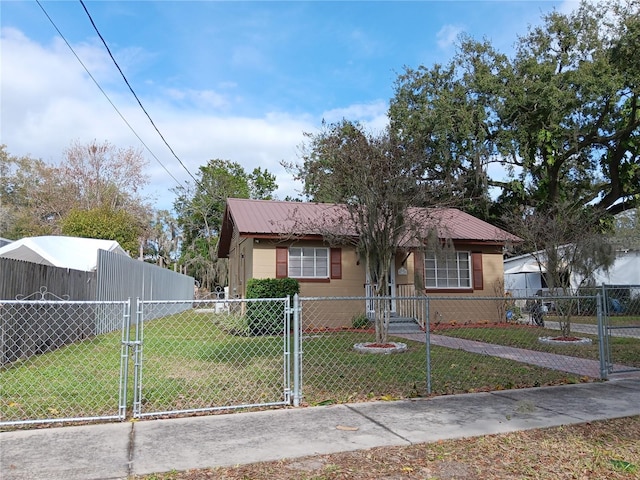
[[443, 267], [320, 265]]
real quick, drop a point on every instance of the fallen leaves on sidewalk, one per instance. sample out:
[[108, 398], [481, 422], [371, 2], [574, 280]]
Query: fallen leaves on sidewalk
[[590, 451]]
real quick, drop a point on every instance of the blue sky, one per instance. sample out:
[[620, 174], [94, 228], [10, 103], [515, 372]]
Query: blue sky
[[232, 80]]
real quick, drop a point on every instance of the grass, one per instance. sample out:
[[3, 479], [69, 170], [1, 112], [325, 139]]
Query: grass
[[597, 450], [335, 373], [81, 379], [614, 320], [190, 362]]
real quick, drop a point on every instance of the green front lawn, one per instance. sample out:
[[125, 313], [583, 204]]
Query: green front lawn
[[189, 362]]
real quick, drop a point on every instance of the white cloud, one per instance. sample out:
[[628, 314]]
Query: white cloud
[[201, 98], [48, 101], [252, 142], [568, 6], [372, 115], [448, 35]]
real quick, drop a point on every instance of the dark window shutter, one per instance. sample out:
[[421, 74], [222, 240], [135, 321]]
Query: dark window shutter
[[418, 266], [282, 268], [336, 263], [478, 277]]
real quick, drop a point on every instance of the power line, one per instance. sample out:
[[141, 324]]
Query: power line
[[134, 93], [105, 94]]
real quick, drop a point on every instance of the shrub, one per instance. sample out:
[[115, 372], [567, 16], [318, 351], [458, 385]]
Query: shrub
[[265, 318], [360, 321], [272, 287]]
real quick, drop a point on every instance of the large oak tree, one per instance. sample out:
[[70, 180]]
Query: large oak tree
[[200, 209], [561, 115]]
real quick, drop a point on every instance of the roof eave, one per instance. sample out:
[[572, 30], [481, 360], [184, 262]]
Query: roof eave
[[226, 233]]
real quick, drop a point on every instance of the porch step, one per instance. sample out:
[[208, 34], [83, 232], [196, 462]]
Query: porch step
[[403, 325]]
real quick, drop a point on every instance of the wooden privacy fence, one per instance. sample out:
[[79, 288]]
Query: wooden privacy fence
[[35, 327], [20, 279]]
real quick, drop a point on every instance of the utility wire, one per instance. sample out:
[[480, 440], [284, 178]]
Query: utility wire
[[107, 96], [134, 93]]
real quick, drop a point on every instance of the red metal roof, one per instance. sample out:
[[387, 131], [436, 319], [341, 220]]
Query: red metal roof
[[278, 219]]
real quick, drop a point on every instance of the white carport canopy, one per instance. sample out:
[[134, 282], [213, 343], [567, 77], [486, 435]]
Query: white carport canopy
[[57, 251], [529, 267], [524, 278]]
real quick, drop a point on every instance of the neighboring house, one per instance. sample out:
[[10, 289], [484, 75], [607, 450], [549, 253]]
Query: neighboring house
[[273, 239], [4, 241], [523, 276]]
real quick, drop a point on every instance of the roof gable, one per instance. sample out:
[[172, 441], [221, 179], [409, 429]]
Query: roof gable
[[278, 219]]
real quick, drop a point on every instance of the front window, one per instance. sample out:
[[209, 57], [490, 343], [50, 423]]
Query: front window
[[447, 270], [308, 262]]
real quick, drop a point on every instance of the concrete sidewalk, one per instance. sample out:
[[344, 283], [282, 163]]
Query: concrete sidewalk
[[119, 450]]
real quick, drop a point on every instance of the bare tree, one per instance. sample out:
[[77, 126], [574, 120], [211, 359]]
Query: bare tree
[[568, 241], [102, 175], [91, 176], [378, 183]]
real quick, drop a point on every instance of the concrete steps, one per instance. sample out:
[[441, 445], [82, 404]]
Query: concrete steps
[[403, 325]]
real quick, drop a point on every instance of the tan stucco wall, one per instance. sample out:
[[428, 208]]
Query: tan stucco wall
[[233, 266], [472, 307], [333, 314], [260, 262], [351, 283], [493, 268], [264, 259], [464, 310]]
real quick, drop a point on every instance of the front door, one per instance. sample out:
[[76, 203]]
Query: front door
[[391, 292], [391, 280]]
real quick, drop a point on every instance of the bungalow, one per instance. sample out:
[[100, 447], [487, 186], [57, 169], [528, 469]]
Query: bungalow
[[313, 243]]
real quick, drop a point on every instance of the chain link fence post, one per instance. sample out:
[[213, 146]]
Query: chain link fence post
[[297, 352], [604, 367], [124, 360], [427, 327], [137, 360]]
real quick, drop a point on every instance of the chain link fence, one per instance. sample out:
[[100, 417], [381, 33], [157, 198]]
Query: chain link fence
[[70, 361], [621, 325], [472, 344], [525, 342], [213, 355], [61, 361], [335, 365]]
